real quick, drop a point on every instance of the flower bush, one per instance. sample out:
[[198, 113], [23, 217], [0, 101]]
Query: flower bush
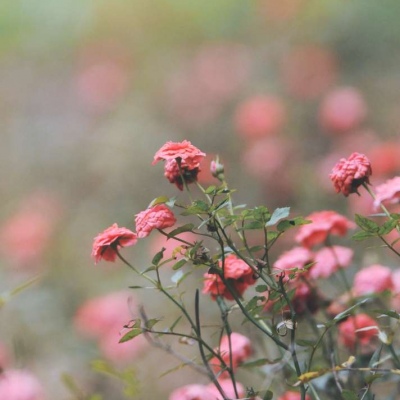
[[304, 335]]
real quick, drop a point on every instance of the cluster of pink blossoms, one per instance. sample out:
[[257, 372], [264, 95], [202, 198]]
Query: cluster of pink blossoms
[[182, 163]]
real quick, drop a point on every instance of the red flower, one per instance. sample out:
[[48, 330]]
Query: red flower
[[324, 223], [157, 217], [348, 334], [236, 271], [348, 175], [185, 151], [106, 243], [182, 162]]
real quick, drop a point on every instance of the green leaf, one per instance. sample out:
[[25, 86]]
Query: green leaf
[[277, 215], [159, 200], [389, 313], [362, 235], [179, 264], [151, 322], [183, 228], [349, 395], [210, 190], [260, 362], [387, 227], [346, 312], [261, 288], [136, 330], [197, 207], [371, 378], [158, 257], [366, 224], [252, 225], [268, 395]]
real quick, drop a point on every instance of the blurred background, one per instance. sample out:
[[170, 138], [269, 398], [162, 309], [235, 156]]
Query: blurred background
[[90, 90]]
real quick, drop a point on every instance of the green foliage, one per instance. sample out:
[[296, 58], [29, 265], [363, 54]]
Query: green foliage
[[349, 395], [135, 330]]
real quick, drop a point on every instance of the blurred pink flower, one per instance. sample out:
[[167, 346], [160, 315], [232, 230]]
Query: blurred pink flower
[[229, 390], [342, 110], [103, 76], [157, 217], [266, 157], [25, 235], [103, 318], [259, 116], [198, 90], [309, 70], [241, 350], [113, 238], [306, 298], [20, 385], [290, 395], [348, 334], [324, 223], [385, 157], [192, 392], [348, 174], [105, 313], [298, 257], [329, 259], [388, 192], [236, 271], [373, 279], [5, 356], [395, 302]]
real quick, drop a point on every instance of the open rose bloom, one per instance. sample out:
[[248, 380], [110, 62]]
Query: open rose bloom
[[182, 162], [113, 238], [323, 224], [157, 217], [360, 329], [348, 174], [239, 275]]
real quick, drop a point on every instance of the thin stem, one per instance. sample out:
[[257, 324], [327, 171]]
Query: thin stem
[[201, 349]]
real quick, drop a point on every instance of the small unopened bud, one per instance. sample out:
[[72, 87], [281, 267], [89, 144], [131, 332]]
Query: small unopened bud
[[217, 169]]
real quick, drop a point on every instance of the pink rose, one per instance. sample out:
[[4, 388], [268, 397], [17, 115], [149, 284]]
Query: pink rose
[[348, 174], [192, 392], [388, 192], [239, 274], [20, 385], [260, 116], [329, 259], [157, 217], [373, 279], [342, 110], [103, 318], [190, 155], [229, 390], [113, 238], [238, 349], [324, 223], [292, 396], [182, 162], [297, 257], [349, 334]]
